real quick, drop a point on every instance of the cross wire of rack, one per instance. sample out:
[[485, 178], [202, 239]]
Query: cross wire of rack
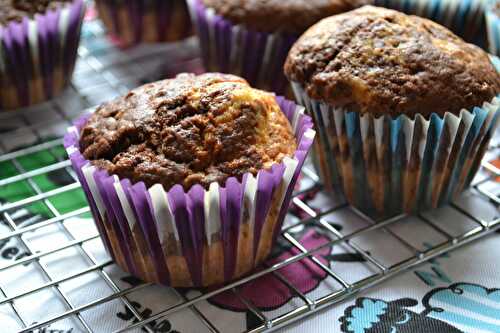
[[312, 218]]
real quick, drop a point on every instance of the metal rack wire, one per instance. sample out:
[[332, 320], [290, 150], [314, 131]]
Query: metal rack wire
[[311, 218]]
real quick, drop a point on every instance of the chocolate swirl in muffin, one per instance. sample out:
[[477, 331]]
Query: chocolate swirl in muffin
[[188, 130]]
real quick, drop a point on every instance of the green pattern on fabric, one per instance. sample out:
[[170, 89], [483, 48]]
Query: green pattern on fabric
[[19, 190], [64, 203]]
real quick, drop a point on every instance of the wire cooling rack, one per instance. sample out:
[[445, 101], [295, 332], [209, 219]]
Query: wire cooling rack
[[40, 195]]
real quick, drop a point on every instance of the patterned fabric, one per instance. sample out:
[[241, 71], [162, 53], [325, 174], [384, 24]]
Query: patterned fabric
[[452, 293]]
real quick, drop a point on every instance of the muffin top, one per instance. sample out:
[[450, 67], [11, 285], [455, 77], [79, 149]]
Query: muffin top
[[383, 62], [15, 10], [188, 130], [289, 16]]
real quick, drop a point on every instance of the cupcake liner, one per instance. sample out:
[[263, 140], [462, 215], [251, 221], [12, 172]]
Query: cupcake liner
[[463, 17], [386, 166], [145, 21], [197, 237], [493, 30], [37, 56], [256, 56]]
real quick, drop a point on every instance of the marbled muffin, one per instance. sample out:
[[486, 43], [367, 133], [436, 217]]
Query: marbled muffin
[[401, 104], [132, 22], [381, 61], [189, 179], [38, 40], [291, 16], [252, 38], [188, 130]]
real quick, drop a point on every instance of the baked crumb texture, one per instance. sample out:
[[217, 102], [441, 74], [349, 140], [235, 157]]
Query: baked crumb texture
[[16, 10], [188, 130]]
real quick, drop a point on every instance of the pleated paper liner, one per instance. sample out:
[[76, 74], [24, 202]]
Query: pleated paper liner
[[229, 48], [134, 22], [386, 166], [197, 237], [37, 56], [464, 17]]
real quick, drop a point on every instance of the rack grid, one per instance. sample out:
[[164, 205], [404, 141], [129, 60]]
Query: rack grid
[[103, 72]]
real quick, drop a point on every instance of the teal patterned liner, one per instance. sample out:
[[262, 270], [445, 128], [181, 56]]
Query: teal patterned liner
[[463, 17], [387, 166]]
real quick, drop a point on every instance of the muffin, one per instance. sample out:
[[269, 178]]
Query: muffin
[[403, 107], [252, 38], [493, 27], [133, 22], [39, 40], [189, 179], [464, 17]]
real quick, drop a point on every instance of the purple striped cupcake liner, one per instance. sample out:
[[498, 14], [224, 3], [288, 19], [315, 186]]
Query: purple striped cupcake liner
[[198, 237], [256, 56], [388, 166], [145, 21], [37, 56]]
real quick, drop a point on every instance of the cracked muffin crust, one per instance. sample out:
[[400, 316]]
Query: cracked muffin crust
[[15, 10], [380, 61], [290, 16], [188, 130]]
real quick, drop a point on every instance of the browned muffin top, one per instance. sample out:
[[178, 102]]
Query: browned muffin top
[[15, 10], [188, 130], [380, 61], [290, 16]]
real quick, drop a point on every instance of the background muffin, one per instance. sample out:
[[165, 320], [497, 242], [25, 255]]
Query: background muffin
[[38, 44], [464, 17], [252, 38], [133, 22], [200, 169], [399, 102]]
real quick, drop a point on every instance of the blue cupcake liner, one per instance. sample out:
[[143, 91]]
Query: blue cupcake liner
[[387, 166]]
